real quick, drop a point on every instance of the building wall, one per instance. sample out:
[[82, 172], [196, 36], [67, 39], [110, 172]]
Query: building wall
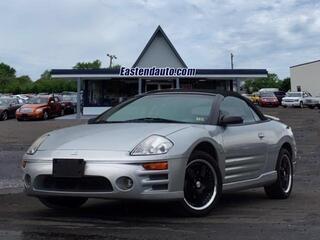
[[159, 54], [307, 76]]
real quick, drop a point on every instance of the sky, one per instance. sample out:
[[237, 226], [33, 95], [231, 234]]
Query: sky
[[36, 35]]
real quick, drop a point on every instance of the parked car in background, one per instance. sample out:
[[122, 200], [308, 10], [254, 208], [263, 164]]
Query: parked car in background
[[8, 107], [279, 95], [268, 99], [312, 102], [40, 107], [255, 97], [248, 96], [69, 103], [295, 99], [21, 98], [268, 90]]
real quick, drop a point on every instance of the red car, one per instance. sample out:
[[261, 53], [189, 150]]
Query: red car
[[268, 99]]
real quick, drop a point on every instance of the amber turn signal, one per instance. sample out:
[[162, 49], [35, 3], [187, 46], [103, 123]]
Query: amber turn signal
[[156, 166]]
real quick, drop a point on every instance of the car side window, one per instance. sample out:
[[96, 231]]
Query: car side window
[[56, 99], [233, 106]]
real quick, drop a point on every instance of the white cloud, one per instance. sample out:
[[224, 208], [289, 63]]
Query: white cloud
[[273, 34]]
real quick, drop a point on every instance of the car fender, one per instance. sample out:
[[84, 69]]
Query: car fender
[[188, 139], [285, 139]]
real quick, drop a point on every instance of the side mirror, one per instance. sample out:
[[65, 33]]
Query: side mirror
[[229, 120]]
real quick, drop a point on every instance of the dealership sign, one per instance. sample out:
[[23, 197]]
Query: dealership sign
[[154, 72]]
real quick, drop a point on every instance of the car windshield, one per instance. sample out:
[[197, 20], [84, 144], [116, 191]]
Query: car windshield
[[4, 101], [279, 93], [37, 100], [178, 108], [294, 94], [267, 94], [69, 98]]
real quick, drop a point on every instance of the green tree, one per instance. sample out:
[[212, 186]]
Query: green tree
[[88, 65], [272, 81], [7, 71], [285, 85], [47, 84], [116, 66]]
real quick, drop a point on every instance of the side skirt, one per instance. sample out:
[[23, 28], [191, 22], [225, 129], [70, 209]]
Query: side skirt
[[260, 181]]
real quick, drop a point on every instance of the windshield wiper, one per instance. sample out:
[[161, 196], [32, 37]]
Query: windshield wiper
[[151, 119], [147, 119]]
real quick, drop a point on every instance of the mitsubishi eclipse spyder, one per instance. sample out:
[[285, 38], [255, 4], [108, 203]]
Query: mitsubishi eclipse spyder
[[187, 146]]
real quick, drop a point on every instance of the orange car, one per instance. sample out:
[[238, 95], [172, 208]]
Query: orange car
[[40, 107]]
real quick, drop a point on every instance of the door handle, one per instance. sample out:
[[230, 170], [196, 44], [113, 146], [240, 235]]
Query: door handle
[[260, 135]]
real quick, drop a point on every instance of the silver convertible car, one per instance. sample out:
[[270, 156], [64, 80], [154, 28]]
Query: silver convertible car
[[186, 146]]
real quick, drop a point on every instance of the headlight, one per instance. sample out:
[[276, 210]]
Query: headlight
[[152, 145], [35, 146], [39, 110]]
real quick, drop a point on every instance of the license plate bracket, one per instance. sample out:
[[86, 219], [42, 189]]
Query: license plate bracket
[[68, 168]]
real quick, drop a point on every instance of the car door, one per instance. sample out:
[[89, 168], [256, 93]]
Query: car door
[[244, 144], [52, 106]]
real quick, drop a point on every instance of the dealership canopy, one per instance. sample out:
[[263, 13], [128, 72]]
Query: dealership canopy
[[159, 66]]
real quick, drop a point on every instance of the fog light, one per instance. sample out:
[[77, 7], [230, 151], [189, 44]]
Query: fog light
[[27, 180], [124, 183]]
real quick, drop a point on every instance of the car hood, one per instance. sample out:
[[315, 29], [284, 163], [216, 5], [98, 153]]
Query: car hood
[[33, 106], [108, 137]]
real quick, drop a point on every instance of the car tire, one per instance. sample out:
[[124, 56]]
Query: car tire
[[281, 189], [202, 185], [301, 105], [45, 115], [4, 116], [63, 203]]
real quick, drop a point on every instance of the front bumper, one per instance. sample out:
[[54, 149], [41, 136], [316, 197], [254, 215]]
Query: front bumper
[[29, 116], [269, 104], [290, 104], [148, 185]]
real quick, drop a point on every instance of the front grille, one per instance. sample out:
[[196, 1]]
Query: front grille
[[83, 184], [26, 110]]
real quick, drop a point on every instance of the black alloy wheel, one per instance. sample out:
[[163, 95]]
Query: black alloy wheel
[[4, 115], [282, 188], [202, 186]]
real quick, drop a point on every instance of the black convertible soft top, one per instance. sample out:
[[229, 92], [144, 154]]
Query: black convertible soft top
[[212, 92]]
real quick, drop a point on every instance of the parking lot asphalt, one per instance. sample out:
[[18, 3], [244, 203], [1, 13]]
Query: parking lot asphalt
[[242, 215]]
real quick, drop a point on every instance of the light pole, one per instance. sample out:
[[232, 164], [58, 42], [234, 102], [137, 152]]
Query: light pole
[[111, 58], [231, 56]]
